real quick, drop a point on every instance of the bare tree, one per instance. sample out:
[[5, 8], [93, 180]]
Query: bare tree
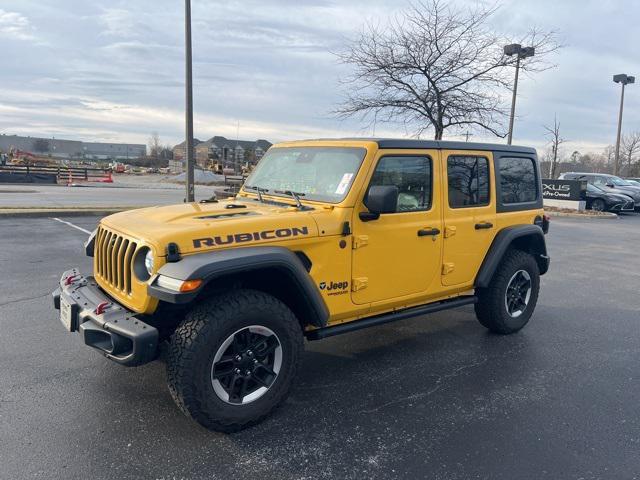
[[553, 132], [609, 154], [435, 67], [155, 146], [630, 147]]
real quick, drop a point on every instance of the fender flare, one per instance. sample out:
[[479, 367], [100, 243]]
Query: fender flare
[[211, 265], [530, 235]]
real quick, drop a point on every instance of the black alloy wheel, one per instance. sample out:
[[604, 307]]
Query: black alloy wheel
[[518, 293], [246, 365]]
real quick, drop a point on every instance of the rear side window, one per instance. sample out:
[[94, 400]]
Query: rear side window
[[518, 183], [412, 176], [468, 179]]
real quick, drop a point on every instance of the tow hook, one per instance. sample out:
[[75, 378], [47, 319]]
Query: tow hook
[[102, 306]]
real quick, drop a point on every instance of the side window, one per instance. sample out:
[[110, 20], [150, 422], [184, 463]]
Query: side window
[[412, 176], [518, 183], [468, 179]]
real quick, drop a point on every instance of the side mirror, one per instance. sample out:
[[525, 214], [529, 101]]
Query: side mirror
[[380, 199], [610, 185]]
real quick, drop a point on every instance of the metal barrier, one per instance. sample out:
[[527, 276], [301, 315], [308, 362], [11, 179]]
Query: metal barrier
[[61, 174]]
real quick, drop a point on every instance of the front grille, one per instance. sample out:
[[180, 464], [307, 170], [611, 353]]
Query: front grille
[[113, 259]]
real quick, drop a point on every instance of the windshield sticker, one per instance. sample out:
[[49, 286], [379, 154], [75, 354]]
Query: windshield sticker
[[344, 183]]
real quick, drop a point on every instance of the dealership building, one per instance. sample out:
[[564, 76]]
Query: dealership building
[[72, 148]]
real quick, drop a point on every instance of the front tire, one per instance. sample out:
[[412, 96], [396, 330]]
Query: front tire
[[598, 205], [233, 358], [507, 304]]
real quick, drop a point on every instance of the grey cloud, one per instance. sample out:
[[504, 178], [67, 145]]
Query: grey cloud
[[268, 64]]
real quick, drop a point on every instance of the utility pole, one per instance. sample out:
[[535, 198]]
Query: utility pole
[[235, 152], [467, 135], [624, 79], [190, 197], [521, 52]]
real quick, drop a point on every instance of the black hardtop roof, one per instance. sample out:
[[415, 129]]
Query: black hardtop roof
[[404, 143]]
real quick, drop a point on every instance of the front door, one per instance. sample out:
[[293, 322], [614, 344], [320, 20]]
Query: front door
[[399, 253], [469, 212]]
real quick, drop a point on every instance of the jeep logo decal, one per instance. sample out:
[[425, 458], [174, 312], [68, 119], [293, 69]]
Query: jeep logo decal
[[334, 288], [249, 237]]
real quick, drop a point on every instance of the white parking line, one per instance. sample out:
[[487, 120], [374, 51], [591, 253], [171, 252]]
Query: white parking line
[[71, 225]]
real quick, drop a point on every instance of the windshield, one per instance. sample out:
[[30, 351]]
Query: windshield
[[618, 181], [314, 173]]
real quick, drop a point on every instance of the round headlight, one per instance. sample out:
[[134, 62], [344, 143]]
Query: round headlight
[[148, 262]]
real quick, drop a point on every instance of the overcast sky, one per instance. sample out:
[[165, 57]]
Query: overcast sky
[[113, 70]]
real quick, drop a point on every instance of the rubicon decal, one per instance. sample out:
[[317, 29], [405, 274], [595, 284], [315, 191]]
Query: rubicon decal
[[277, 234]]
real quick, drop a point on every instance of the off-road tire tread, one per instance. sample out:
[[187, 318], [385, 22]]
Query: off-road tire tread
[[490, 309], [192, 334]]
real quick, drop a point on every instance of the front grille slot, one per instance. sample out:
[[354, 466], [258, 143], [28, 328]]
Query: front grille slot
[[114, 255]]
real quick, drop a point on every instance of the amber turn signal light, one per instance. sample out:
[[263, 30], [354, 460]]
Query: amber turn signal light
[[190, 285]]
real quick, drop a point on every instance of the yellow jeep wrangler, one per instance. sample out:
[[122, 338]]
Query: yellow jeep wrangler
[[324, 238]]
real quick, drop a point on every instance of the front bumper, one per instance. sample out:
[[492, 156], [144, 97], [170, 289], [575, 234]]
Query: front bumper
[[622, 207], [111, 329]]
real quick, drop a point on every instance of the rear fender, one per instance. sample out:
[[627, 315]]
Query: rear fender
[[528, 238]]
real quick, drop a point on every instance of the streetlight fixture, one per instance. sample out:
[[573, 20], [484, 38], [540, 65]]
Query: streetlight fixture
[[189, 102], [624, 79], [521, 52]]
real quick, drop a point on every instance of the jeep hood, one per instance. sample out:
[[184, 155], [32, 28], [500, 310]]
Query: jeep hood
[[197, 227]]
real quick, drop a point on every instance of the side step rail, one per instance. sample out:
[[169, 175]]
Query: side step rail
[[354, 325]]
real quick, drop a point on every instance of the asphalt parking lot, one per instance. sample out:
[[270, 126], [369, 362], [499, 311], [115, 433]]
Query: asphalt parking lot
[[119, 194], [434, 397]]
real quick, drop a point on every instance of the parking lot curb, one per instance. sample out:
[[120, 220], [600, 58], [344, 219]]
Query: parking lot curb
[[608, 216], [47, 212]]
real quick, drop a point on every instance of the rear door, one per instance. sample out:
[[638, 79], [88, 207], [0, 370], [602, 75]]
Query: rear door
[[469, 213]]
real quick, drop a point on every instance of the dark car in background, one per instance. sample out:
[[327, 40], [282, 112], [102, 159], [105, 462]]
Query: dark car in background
[[608, 183], [603, 201]]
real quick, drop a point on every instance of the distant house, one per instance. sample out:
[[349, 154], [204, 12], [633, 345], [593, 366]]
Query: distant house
[[180, 150], [227, 151]]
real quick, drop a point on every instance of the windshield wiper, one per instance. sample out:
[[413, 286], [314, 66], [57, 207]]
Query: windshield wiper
[[259, 191], [295, 195]]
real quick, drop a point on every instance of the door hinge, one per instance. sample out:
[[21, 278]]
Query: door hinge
[[448, 268], [360, 241], [449, 231], [359, 283]]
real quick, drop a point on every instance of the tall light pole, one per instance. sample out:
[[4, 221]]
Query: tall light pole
[[189, 102], [624, 79], [521, 52]]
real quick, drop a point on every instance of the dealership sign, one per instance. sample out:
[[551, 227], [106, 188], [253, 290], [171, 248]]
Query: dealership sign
[[572, 190]]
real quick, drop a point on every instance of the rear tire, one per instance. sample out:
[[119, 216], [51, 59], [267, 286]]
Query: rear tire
[[506, 305], [233, 358]]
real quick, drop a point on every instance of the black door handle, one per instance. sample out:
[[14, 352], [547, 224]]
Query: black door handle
[[428, 231], [484, 225]]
